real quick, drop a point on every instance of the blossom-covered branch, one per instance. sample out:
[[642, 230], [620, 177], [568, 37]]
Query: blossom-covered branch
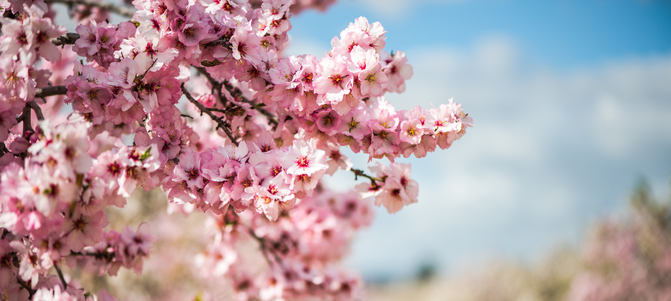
[[220, 123], [284, 121], [50, 91], [236, 94], [361, 173], [66, 39]]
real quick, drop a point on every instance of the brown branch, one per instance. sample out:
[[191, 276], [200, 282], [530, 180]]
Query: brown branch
[[26, 119], [33, 105], [360, 173], [50, 91], [216, 85], [120, 10], [223, 42], [66, 39], [204, 109], [237, 94], [60, 276], [271, 118], [211, 79], [263, 243], [98, 255], [264, 247], [25, 285]]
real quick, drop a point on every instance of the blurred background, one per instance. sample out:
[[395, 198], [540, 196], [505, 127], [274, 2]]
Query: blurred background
[[572, 108]]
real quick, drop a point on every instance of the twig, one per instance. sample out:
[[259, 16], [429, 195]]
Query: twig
[[223, 42], [359, 173], [120, 10], [216, 85], [66, 39], [60, 275], [25, 117], [50, 91], [204, 109], [147, 71], [262, 242], [271, 118], [264, 248], [25, 285], [204, 72], [33, 105], [238, 95]]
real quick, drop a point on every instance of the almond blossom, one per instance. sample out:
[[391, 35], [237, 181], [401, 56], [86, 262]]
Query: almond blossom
[[194, 100]]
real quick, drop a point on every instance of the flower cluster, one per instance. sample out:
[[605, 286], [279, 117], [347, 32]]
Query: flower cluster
[[25, 39], [52, 207], [98, 42], [265, 177], [301, 248], [397, 189], [249, 149], [29, 36]]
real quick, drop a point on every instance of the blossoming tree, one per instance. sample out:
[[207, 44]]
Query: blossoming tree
[[248, 144]]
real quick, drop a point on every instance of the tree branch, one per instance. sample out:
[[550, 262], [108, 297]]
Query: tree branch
[[204, 109], [120, 10], [360, 173], [66, 39], [50, 91], [60, 275], [25, 285], [264, 248], [216, 85], [33, 105], [25, 117], [263, 243], [237, 94]]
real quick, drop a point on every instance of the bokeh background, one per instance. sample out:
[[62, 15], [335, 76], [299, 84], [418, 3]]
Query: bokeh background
[[572, 108]]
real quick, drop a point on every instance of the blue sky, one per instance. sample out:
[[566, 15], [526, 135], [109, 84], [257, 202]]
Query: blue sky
[[562, 33], [572, 107]]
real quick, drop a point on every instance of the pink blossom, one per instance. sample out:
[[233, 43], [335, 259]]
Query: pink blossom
[[305, 159], [397, 70], [333, 80]]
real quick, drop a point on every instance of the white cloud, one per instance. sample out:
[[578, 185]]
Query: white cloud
[[299, 46], [550, 151]]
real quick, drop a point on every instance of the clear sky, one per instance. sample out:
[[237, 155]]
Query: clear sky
[[572, 106]]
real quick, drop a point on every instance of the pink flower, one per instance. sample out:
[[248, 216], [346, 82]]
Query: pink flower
[[398, 189], [41, 32], [328, 122], [137, 242], [245, 44], [188, 169], [411, 131], [85, 229], [305, 159], [17, 87], [333, 80], [45, 294], [217, 260], [33, 263], [397, 70], [139, 163]]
